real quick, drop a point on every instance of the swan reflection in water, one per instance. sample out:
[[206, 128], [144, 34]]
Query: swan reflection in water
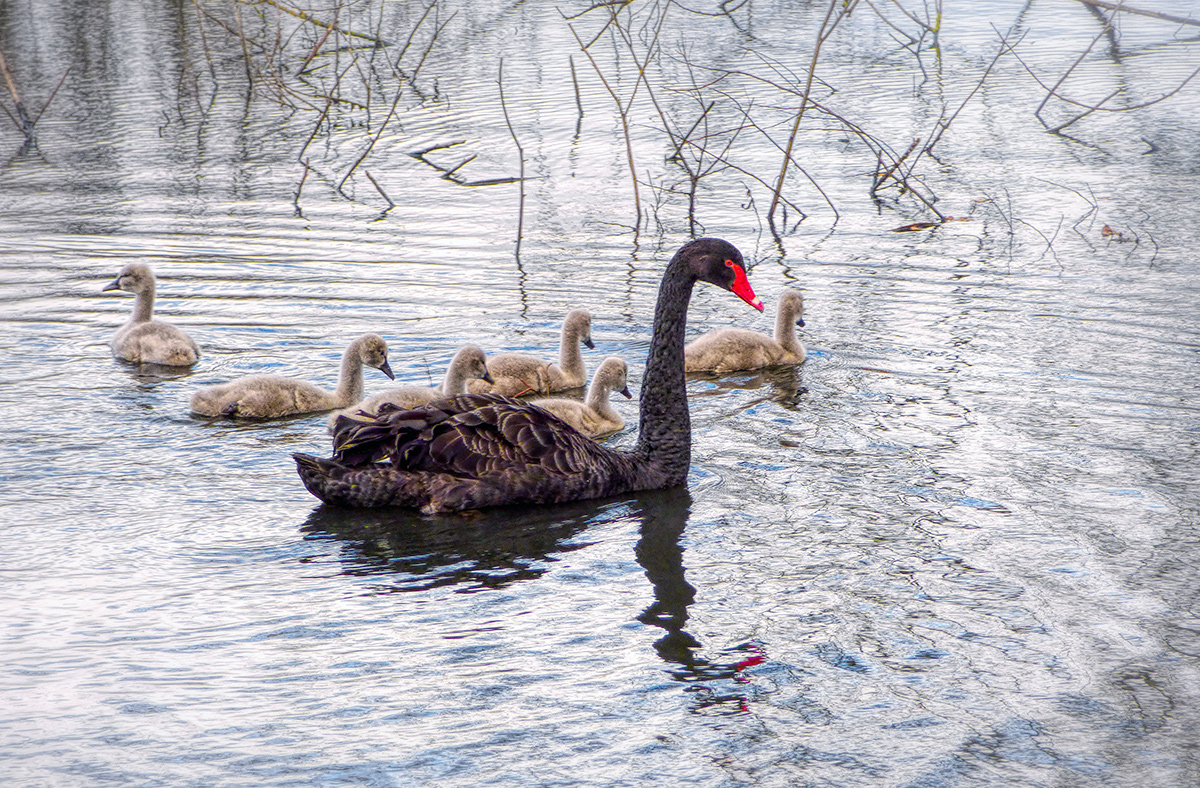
[[490, 548], [781, 384], [717, 683], [494, 548]]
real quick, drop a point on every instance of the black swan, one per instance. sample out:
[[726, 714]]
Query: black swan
[[273, 396], [733, 349], [594, 416], [468, 363], [479, 450], [515, 374], [144, 340]]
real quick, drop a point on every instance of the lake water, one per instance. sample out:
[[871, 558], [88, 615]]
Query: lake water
[[957, 547]]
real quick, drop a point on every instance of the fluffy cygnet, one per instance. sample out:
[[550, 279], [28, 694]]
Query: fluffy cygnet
[[469, 363], [272, 396], [595, 416], [733, 349], [517, 374], [144, 340]]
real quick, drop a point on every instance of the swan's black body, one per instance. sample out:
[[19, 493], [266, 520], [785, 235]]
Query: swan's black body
[[479, 450]]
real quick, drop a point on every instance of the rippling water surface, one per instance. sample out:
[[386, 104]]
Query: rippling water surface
[[956, 547]]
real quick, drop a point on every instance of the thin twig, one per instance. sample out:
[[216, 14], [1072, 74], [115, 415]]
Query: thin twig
[[942, 126], [520, 155], [329, 27], [22, 119], [623, 113], [1054, 90], [822, 34], [316, 48], [412, 33], [378, 188], [53, 93], [429, 48], [449, 174], [1182, 20], [11, 117], [881, 179], [374, 140], [578, 100], [300, 188]]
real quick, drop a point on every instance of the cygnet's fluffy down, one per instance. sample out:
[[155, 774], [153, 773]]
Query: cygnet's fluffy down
[[273, 396], [144, 340], [518, 374], [734, 349], [469, 363], [595, 416]]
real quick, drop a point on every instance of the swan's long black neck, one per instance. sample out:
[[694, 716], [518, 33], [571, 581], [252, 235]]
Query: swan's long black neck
[[665, 430]]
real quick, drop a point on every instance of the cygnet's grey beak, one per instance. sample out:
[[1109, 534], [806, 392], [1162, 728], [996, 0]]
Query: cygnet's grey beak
[[387, 370], [113, 285], [800, 322], [487, 376], [590, 344], [625, 391]]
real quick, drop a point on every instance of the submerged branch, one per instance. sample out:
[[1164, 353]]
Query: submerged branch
[[1181, 20], [53, 93], [379, 188], [520, 155], [623, 113], [823, 34], [22, 120], [314, 21]]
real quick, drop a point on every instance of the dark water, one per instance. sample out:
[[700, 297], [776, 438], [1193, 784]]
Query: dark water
[[957, 547]]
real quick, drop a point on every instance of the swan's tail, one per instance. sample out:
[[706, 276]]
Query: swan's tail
[[340, 485]]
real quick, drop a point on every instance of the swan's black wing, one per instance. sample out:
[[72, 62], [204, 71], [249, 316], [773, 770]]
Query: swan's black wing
[[468, 436]]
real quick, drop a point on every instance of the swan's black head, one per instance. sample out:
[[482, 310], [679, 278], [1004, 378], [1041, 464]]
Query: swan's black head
[[720, 263]]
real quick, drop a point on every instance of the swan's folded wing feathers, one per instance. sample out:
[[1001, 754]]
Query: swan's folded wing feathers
[[508, 435], [522, 429], [469, 436], [358, 443], [468, 452], [544, 438], [471, 445]]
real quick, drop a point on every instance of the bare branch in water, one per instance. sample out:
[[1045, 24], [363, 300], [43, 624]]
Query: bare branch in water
[[53, 93], [943, 125], [329, 28], [237, 15], [823, 34], [1179, 20], [379, 188], [22, 119], [578, 100], [622, 110], [1053, 90], [371, 145], [25, 124], [300, 188], [520, 156]]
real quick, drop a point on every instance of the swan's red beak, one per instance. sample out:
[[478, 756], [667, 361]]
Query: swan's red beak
[[741, 286]]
